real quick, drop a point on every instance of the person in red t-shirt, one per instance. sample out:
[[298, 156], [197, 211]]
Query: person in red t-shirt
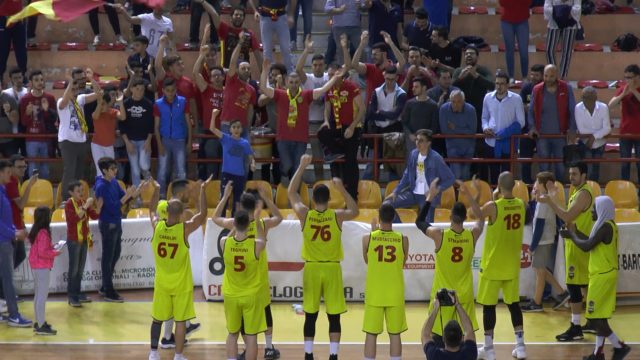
[[292, 109], [105, 123], [211, 94], [18, 201], [373, 72], [341, 137], [629, 97], [240, 94]]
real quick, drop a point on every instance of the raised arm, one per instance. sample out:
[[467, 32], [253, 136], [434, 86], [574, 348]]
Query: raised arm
[[153, 205], [198, 219], [355, 62], [319, 92], [233, 62], [302, 60], [68, 92], [276, 216], [211, 11], [433, 232], [396, 52], [217, 218], [98, 110], [201, 83], [130, 19], [475, 208], [265, 89], [427, 335], [467, 326], [352, 206], [293, 190]]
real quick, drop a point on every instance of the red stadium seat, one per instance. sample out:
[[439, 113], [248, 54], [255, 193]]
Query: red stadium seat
[[72, 46], [588, 47], [598, 84], [503, 48], [480, 10], [186, 47], [624, 10], [40, 46], [59, 84], [110, 47], [516, 85], [485, 49], [538, 10]]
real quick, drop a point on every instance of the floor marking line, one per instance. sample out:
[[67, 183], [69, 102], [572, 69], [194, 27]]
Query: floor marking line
[[196, 342]]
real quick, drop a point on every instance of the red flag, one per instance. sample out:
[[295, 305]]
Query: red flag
[[67, 10], [152, 3]]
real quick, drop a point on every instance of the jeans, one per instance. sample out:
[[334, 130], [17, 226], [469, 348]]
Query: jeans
[[77, 259], [112, 14], [139, 162], [330, 53], [16, 35], [290, 154], [98, 152], [510, 32], [348, 171], [494, 169], [353, 35], [307, 17], [73, 155], [625, 152], [316, 151], [111, 247], [527, 147], [461, 171], [552, 149], [408, 198], [6, 273], [38, 149], [238, 187], [174, 150], [279, 27], [197, 10], [594, 168]]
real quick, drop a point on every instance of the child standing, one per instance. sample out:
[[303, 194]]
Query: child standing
[[105, 123], [41, 258]]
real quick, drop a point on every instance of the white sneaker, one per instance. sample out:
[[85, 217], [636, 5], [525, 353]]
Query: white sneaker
[[154, 355], [3, 306], [96, 40], [519, 353], [121, 40], [179, 357], [489, 354]]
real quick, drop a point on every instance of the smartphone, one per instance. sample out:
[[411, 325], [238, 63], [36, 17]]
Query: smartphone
[[35, 172], [60, 245]]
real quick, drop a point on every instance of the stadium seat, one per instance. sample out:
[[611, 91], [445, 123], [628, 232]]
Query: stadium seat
[[595, 188], [190, 204], [110, 47], [623, 193], [480, 10], [288, 214], [407, 216], [598, 84], [85, 192], [485, 193], [58, 216], [122, 185], [186, 47], [588, 47], [41, 194], [624, 10], [336, 200], [448, 198], [43, 46], [73, 46], [442, 215], [369, 194], [542, 47], [141, 213], [146, 193], [560, 195], [366, 215], [521, 191], [517, 84], [538, 10], [27, 214], [260, 184], [627, 216], [282, 199], [503, 48], [391, 185], [212, 194]]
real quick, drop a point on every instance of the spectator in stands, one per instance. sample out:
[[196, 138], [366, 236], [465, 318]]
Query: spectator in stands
[[629, 98], [18, 194], [373, 73], [458, 117], [443, 89], [112, 14], [15, 35], [502, 117], [592, 119], [9, 118], [17, 91], [38, 116], [306, 6], [423, 166], [551, 112], [112, 196], [136, 72], [197, 10], [475, 80], [528, 145], [241, 94], [274, 20], [173, 133], [563, 22], [140, 46], [234, 33], [442, 50], [345, 19], [420, 112], [73, 128], [341, 137], [277, 80], [137, 131], [32, 25], [105, 123], [211, 97], [8, 234], [439, 12], [414, 69], [77, 212], [384, 16], [418, 32], [514, 22], [153, 25], [310, 81], [137, 9]]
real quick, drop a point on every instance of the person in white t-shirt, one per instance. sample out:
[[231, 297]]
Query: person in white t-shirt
[[314, 80], [152, 25], [544, 236], [17, 91], [72, 132]]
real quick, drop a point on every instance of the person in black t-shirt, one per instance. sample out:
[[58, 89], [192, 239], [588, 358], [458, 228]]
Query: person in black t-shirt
[[418, 32], [455, 346], [443, 50], [527, 145]]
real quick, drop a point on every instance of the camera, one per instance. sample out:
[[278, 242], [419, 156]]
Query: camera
[[446, 297]]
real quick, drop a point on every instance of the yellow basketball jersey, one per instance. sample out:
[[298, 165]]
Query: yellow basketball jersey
[[385, 277], [503, 241], [604, 257], [584, 224], [161, 209], [173, 263], [263, 260], [241, 268], [322, 237], [453, 264]]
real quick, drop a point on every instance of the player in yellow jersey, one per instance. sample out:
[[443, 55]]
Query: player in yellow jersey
[[576, 261], [602, 245], [241, 284], [322, 253], [385, 252], [454, 249], [250, 201], [500, 264], [173, 285]]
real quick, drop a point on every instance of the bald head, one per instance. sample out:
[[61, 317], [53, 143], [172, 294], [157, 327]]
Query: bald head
[[550, 75], [175, 208], [506, 182]]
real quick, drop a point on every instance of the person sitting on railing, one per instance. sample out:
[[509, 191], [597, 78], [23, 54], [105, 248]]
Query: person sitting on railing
[[458, 117], [592, 118]]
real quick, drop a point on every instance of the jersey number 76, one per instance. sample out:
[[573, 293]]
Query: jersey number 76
[[321, 231]]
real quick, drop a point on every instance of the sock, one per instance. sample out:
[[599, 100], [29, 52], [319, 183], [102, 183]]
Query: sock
[[333, 348], [599, 345], [520, 338], [575, 319], [613, 339], [168, 329], [395, 358], [268, 339], [373, 358], [488, 341], [188, 323], [154, 351], [308, 346]]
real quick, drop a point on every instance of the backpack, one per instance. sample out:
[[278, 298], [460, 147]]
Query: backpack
[[627, 42], [588, 7], [463, 41]]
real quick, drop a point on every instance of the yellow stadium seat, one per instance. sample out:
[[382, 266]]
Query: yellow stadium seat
[[212, 193], [623, 193], [366, 215], [391, 185], [627, 216], [521, 191], [190, 189], [336, 200], [85, 192], [442, 215], [27, 214], [369, 195], [595, 188], [485, 193], [58, 216], [288, 214], [260, 184], [448, 198], [122, 185], [41, 194], [140, 213], [407, 216], [146, 193], [282, 199], [560, 195]]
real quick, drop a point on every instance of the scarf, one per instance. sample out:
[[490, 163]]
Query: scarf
[[293, 108], [81, 223], [337, 104], [605, 211], [81, 119]]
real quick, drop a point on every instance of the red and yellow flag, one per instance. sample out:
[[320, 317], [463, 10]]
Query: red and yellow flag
[[60, 10]]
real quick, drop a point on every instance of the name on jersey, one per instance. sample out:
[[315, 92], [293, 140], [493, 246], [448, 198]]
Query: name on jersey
[[458, 241], [320, 219], [510, 208], [388, 239], [239, 250], [167, 237]]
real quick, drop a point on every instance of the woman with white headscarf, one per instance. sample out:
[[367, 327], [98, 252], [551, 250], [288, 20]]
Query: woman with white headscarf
[[602, 245]]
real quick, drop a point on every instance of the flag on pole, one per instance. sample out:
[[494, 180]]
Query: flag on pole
[[60, 10]]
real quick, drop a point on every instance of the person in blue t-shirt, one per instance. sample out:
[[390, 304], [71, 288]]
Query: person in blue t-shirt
[[234, 149]]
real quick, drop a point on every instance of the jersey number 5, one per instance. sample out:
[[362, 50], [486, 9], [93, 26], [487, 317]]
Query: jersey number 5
[[513, 221], [238, 264], [390, 255], [321, 232], [162, 249]]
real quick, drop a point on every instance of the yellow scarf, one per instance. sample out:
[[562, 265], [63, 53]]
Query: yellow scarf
[[337, 104], [81, 119], [293, 108], [89, 239]]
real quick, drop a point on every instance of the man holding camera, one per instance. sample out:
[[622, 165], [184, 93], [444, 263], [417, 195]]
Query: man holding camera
[[454, 347]]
